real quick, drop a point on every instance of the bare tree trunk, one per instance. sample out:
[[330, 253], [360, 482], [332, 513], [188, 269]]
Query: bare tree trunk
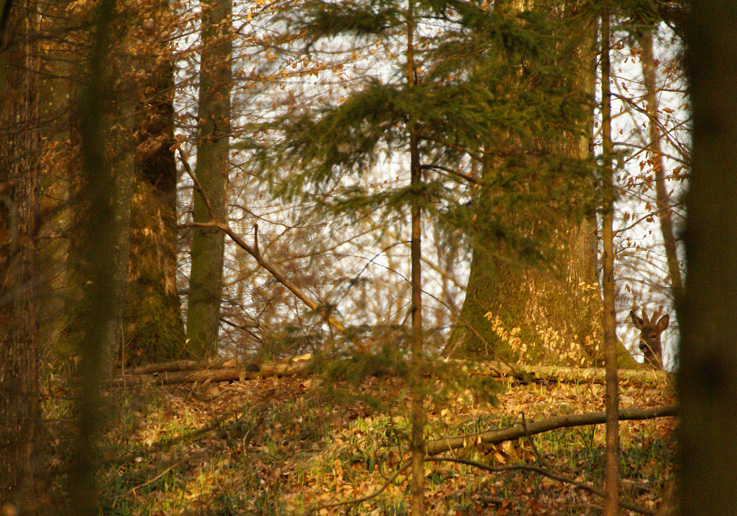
[[656, 156], [708, 371], [611, 480], [213, 145], [418, 411], [106, 119]]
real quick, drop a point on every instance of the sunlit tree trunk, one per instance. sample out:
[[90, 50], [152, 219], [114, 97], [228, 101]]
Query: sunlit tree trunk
[[609, 320], [213, 145], [707, 378], [154, 327], [566, 302]]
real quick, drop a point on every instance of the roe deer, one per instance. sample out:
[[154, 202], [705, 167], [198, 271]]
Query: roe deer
[[650, 330]]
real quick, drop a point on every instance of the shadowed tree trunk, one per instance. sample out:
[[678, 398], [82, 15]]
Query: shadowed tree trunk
[[19, 273], [106, 116], [707, 379]]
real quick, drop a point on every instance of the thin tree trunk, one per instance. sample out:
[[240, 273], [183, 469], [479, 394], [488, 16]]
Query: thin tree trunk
[[611, 480], [213, 146], [418, 411], [656, 157], [707, 378]]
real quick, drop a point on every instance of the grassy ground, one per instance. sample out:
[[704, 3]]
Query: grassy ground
[[280, 446]]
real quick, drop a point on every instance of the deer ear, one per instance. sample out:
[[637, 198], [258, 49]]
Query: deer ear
[[635, 319], [663, 322]]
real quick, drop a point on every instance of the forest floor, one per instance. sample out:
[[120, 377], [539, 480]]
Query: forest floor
[[281, 446]]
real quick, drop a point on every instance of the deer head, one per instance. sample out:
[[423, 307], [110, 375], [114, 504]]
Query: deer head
[[650, 330]]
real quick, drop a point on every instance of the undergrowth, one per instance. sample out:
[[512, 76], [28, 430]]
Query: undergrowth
[[283, 446]]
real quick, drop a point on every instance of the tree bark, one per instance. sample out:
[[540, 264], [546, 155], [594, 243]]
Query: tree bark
[[154, 326], [707, 378], [224, 374], [563, 302], [213, 146], [19, 273], [544, 374], [656, 158], [418, 410], [609, 323], [101, 248], [546, 425]]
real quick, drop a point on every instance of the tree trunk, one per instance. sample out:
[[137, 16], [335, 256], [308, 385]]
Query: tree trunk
[[418, 410], [123, 172], [19, 274], [213, 145], [609, 322], [707, 378], [154, 327], [104, 124], [656, 160], [556, 311]]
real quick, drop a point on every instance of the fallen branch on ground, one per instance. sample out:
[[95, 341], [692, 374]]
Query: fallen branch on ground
[[227, 374], [537, 427], [563, 374], [541, 471], [184, 371]]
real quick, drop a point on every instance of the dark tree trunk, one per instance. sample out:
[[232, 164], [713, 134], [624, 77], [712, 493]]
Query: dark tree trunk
[[707, 378], [106, 123], [417, 504], [19, 274]]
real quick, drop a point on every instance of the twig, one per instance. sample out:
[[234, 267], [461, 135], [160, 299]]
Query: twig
[[365, 498], [541, 471], [197, 184], [151, 481], [253, 251], [528, 438]]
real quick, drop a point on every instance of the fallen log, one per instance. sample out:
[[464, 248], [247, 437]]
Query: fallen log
[[188, 371], [564, 374], [178, 365], [537, 427], [226, 374]]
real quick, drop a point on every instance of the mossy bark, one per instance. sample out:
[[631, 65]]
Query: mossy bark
[[154, 328], [551, 306]]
